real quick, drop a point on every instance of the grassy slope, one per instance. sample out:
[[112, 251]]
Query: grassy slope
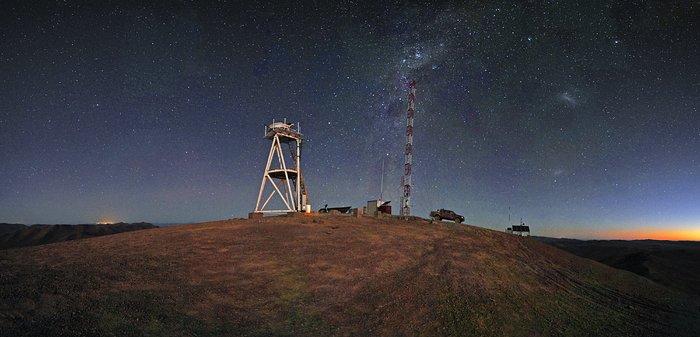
[[675, 264], [322, 276]]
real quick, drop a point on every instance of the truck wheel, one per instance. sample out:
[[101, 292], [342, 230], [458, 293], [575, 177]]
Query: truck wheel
[[436, 218], [458, 220]]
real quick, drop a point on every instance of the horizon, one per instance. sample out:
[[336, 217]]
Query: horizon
[[689, 236]]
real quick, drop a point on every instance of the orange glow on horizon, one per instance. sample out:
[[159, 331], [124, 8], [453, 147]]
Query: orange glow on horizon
[[675, 234], [671, 234]]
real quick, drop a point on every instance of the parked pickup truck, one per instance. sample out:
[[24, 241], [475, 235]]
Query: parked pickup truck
[[446, 214]]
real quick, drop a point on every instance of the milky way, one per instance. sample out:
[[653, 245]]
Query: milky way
[[582, 116]]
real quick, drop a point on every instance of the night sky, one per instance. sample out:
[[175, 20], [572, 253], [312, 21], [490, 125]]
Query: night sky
[[582, 116]]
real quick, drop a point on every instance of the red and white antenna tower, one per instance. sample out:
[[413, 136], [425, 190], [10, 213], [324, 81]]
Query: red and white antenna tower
[[406, 180]]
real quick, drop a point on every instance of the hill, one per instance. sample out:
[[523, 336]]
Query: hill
[[327, 276], [10, 227], [672, 263], [33, 235]]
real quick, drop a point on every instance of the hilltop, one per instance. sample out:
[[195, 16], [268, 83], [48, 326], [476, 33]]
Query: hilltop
[[331, 275], [17, 235]]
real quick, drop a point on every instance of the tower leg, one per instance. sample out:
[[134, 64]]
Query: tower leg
[[298, 187], [262, 184], [288, 193]]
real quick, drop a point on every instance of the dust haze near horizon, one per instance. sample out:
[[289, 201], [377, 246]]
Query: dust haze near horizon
[[582, 117]]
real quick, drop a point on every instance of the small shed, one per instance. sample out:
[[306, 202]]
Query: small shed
[[520, 230], [373, 207], [376, 206]]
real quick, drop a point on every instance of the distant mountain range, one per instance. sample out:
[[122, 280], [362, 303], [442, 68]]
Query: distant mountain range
[[19, 235], [10, 227], [675, 264]]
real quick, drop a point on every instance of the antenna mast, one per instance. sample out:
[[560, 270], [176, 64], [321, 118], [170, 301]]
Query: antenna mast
[[406, 180], [381, 186]]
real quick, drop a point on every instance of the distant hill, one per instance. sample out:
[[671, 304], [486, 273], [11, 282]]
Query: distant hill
[[324, 276], [10, 227], [23, 236], [672, 263]]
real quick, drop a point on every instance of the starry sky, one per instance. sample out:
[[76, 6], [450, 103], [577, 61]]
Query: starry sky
[[581, 116]]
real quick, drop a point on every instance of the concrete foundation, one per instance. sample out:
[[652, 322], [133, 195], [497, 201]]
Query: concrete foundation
[[296, 214]]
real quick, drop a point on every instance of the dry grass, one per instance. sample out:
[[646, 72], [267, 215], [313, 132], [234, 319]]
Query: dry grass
[[326, 276]]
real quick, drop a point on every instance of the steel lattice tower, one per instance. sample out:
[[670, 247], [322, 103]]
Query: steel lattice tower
[[286, 181], [406, 180]]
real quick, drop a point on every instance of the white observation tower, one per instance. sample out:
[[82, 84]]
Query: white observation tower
[[283, 176]]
